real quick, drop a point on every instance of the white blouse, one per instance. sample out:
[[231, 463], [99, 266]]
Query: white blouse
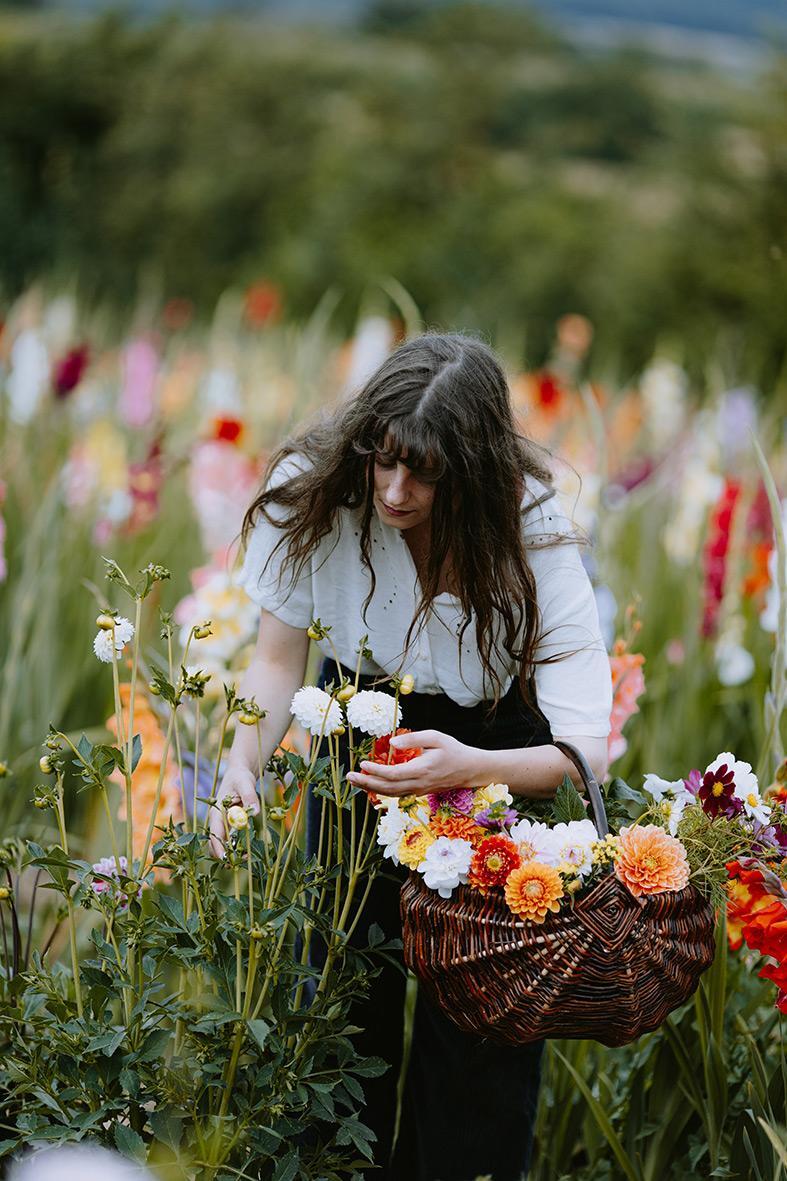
[[575, 694]]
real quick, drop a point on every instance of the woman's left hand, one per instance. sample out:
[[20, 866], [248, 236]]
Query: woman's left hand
[[444, 764]]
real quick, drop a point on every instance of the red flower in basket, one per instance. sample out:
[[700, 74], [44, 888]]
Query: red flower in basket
[[493, 861], [383, 752]]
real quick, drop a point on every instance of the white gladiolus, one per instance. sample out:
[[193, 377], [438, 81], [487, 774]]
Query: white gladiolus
[[374, 713], [316, 711], [102, 644]]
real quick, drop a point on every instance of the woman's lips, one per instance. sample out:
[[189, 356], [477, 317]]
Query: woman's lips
[[395, 512]]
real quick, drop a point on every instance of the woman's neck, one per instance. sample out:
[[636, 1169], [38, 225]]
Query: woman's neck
[[419, 542]]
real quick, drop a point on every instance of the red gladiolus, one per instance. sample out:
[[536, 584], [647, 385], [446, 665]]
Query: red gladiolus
[[69, 370], [228, 430], [715, 554]]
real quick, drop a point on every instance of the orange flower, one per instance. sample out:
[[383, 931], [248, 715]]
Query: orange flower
[[650, 861], [494, 860], [533, 890], [144, 779], [628, 683], [459, 828]]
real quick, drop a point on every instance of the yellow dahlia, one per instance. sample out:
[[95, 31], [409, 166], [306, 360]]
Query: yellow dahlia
[[413, 846]]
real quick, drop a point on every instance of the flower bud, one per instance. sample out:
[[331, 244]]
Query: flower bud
[[203, 631], [153, 689], [407, 684], [339, 730], [574, 885], [346, 694], [313, 632], [277, 813], [45, 763], [41, 802], [237, 817], [247, 719], [105, 621], [4, 770], [257, 932], [4, 893]]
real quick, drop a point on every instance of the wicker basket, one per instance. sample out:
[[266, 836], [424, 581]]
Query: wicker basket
[[611, 968]]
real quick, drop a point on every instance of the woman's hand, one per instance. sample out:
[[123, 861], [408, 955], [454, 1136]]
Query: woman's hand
[[239, 783], [445, 763]]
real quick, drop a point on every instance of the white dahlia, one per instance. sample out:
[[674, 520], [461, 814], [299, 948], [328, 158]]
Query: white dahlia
[[375, 713], [534, 841], [124, 633], [446, 864], [316, 711], [573, 842], [392, 826]]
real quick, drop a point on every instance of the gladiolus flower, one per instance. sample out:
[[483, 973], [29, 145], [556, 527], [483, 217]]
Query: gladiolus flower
[[650, 861], [533, 890]]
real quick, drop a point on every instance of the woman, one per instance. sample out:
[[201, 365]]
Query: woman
[[416, 516]]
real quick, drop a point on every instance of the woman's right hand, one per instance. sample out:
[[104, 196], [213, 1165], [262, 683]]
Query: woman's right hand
[[239, 783]]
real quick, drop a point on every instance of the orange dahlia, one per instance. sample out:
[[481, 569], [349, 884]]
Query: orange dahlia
[[458, 828], [650, 861], [533, 890], [492, 862]]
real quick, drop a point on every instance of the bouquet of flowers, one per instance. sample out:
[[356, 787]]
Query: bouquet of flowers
[[713, 829]]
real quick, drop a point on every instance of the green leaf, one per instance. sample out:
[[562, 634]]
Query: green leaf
[[567, 804], [259, 1030], [136, 750], [167, 1127], [627, 1165], [130, 1143], [287, 1167], [85, 748]]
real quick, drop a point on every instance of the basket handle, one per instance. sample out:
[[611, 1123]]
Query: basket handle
[[589, 780]]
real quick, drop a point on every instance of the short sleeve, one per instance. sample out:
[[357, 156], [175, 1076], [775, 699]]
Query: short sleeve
[[574, 693], [289, 599]]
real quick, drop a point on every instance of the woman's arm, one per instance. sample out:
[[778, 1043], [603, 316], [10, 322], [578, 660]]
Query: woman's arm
[[275, 672], [445, 763]]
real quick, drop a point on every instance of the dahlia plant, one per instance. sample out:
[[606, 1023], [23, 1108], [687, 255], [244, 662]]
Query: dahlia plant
[[160, 1000]]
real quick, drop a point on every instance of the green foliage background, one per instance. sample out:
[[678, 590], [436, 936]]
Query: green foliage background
[[500, 174]]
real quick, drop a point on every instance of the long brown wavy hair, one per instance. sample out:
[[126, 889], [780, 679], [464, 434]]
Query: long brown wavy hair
[[442, 401]]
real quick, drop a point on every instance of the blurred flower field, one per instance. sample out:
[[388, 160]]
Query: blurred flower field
[[148, 448]]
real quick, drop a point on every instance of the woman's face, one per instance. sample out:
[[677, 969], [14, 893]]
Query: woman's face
[[402, 498]]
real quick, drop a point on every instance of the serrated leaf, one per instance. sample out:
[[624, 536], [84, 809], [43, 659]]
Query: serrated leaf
[[567, 804], [287, 1167], [130, 1143], [259, 1030]]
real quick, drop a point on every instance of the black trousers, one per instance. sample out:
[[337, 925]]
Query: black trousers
[[469, 1105]]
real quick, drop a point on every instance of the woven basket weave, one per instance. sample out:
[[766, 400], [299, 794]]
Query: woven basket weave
[[612, 967]]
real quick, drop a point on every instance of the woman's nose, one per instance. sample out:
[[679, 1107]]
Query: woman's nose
[[397, 489]]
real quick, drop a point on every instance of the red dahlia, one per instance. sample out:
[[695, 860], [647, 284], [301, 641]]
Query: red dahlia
[[493, 861]]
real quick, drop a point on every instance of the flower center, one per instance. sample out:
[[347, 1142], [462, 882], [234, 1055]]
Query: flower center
[[752, 799], [527, 850], [533, 889], [718, 788], [494, 862]]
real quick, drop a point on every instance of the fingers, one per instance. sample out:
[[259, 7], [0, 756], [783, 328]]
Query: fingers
[[217, 832], [418, 738]]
